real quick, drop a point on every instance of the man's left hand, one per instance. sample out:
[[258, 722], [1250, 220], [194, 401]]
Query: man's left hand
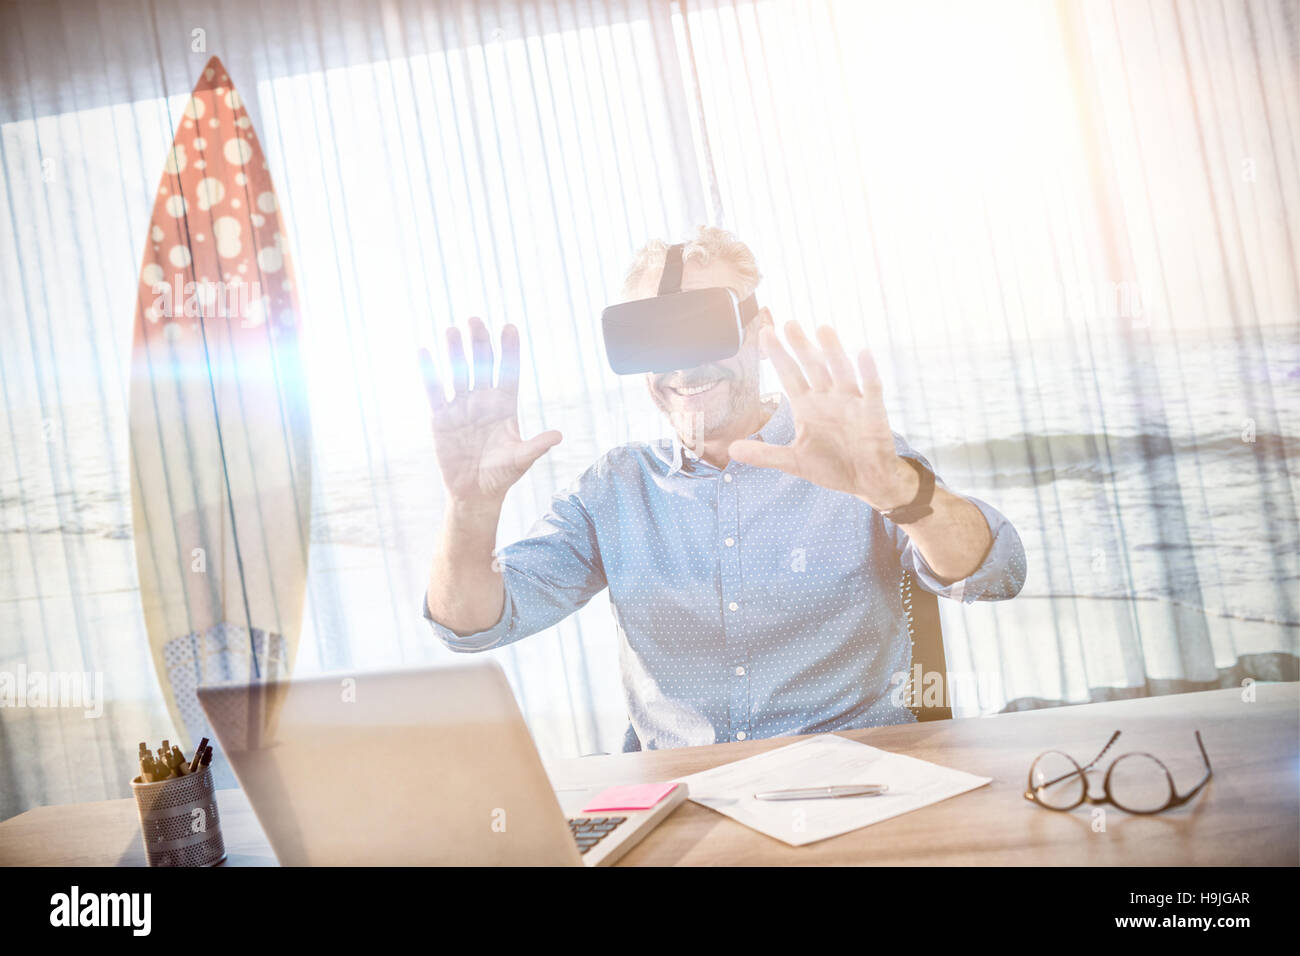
[[842, 436]]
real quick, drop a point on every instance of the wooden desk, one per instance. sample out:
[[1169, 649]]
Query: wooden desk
[[1249, 814]]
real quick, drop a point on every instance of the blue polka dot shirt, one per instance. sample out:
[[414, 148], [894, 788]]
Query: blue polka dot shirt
[[747, 602]]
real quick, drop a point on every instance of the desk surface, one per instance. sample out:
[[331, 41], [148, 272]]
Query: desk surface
[[1249, 813]]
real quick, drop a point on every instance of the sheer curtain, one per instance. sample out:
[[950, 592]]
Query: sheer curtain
[[1062, 229], [433, 161], [1068, 231]]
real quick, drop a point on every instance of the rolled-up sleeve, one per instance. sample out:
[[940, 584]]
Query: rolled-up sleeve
[[1000, 575], [548, 575]]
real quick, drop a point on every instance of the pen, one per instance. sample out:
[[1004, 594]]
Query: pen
[[824, 793], [198, 755]]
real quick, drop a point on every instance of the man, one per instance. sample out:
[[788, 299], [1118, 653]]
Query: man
[[753, 574]]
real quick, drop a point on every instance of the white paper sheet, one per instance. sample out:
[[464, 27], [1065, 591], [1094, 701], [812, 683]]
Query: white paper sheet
[[823, 761]]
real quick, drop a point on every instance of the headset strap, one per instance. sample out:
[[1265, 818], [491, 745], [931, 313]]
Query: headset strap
[[671, 281], [748, 308]]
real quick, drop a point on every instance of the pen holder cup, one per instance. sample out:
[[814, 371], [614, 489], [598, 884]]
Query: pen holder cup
[[179, 820]]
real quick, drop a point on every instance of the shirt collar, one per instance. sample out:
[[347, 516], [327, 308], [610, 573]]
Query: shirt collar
[[779, 430]]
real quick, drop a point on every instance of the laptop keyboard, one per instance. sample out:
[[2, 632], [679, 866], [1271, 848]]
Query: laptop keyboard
[[589, 831]]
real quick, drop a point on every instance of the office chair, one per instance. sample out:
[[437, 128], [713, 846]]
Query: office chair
[[923, 626]]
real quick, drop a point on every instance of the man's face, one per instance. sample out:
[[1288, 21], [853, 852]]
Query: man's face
[[710, 400]]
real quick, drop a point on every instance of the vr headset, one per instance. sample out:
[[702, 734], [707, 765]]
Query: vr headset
[[675, 329]]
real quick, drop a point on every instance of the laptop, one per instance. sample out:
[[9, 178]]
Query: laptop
[[420, 767]]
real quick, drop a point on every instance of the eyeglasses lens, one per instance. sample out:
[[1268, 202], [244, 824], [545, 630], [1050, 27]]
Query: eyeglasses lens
[[1139, 783], [1056, 781]]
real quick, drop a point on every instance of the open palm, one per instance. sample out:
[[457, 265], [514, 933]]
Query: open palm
[[842, 436], [476, 434]]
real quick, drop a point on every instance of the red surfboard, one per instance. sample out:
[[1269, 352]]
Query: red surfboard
[[219, 423]]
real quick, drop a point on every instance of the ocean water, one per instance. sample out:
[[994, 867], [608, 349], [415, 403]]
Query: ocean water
[[1169, 468]]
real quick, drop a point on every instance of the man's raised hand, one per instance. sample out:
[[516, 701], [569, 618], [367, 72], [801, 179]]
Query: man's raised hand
[[476, 433], [842, 436]]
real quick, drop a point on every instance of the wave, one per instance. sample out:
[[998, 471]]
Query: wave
[[1027, 460]]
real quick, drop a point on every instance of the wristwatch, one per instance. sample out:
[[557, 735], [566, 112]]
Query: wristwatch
[[919, 506]]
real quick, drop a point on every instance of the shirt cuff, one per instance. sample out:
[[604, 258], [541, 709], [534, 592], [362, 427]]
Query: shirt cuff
[[1000, 575], [480, 641]]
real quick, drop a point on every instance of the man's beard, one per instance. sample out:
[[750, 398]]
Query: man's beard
[[696, 426]]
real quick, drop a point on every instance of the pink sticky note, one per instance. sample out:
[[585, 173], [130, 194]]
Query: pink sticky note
[[641, 796]]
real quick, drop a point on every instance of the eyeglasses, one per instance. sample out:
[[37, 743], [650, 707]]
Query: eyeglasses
[[1134, 782]]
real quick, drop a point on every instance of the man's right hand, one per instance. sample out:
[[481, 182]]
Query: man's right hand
[[476, 434]]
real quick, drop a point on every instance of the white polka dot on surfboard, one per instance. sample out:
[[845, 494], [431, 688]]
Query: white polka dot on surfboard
[[266, 202], [200, 143], [209, 192], [175, 161], [226, 230], [175, 206], [194, 108], [152, 274], [270, 259], [179, 256], [156, 233], [237, 151]]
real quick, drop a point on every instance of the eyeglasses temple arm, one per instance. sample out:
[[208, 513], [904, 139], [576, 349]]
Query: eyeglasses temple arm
[[1113, 737], [1209, 770], [1204, 756]]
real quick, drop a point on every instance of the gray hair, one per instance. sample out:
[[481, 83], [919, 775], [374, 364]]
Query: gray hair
[[710, 243]]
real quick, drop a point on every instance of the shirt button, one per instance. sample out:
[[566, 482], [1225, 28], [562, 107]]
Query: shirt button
[[740, 672], [740, 735], [726, 477], [734, 606], [729, 542]]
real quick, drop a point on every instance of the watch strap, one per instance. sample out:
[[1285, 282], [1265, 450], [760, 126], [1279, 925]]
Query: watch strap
[[919, 506]]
